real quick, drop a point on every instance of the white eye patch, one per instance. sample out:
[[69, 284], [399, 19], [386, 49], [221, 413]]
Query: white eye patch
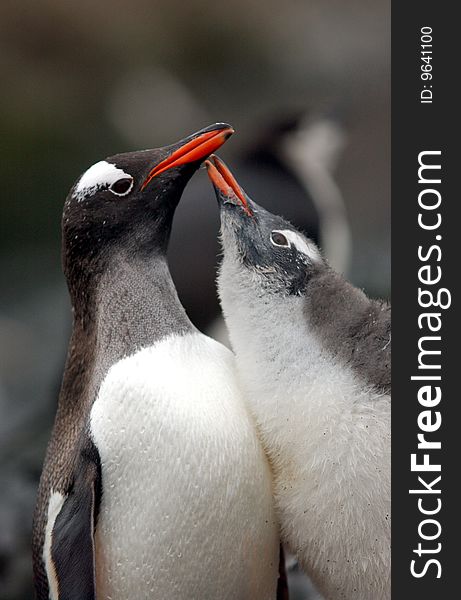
[[300, 244], [101, 175]]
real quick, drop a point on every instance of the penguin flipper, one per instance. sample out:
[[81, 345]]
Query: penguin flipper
[[72, 546]]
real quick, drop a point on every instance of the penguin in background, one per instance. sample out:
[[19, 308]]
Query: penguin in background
[[313, 356], [155, 484]]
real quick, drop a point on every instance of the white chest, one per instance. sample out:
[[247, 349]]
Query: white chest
[[186, 487], [328, 436]]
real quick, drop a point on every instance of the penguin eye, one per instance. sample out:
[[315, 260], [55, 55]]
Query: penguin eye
[[122, 186], [278, 239]]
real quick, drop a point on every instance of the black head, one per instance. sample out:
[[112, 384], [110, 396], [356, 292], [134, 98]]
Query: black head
[[128, 201], [280, 258]]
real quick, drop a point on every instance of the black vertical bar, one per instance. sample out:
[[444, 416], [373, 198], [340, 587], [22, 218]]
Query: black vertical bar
[[432, 125]]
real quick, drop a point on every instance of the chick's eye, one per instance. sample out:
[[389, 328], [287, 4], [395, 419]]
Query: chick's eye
[[122, 186], [278, 239]]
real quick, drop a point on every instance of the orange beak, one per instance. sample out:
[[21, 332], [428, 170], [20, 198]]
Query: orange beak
[[194, 150], [225, 183]]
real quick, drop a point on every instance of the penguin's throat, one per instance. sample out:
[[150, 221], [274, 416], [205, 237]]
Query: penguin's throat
[[268, 327], [132, 304]]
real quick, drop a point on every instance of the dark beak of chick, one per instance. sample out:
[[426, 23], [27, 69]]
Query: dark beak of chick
[[228, 191]]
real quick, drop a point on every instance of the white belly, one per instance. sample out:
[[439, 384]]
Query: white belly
[[186, 509]]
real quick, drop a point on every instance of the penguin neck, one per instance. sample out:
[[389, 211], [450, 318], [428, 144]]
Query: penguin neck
[[129, 305], [281, 336], [264, 328]]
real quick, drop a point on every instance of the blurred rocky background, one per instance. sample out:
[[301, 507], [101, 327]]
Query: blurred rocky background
[[83, 80]]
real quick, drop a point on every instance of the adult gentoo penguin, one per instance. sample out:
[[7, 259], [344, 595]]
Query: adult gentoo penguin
[[313, 356], [155, 485]]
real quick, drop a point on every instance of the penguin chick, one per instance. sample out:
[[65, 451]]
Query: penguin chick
[[155, 485], [313, 356]]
